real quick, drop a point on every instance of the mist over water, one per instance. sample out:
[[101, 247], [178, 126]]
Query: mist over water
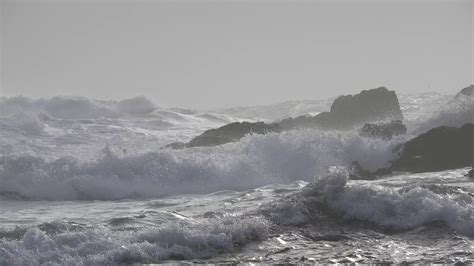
[[236, 132]]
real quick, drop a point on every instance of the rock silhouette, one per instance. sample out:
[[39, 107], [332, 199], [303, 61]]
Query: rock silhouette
[[231, 132], [346, 112], [441, 148], [349, 111]]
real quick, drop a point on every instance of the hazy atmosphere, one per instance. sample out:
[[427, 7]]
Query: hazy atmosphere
[[236, 132], [204, 54]]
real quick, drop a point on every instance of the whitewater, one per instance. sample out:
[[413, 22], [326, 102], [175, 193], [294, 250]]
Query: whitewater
[[88, 182]]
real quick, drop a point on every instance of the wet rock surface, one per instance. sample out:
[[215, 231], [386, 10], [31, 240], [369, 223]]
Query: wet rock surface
[[438, 149], [385, 131]]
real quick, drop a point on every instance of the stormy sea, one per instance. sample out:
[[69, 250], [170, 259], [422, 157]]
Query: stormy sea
[[91, 182]]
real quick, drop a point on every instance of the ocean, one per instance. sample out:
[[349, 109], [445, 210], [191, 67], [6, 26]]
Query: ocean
[[89, 182]]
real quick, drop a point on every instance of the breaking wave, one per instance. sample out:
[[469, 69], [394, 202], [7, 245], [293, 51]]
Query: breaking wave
[[394, 207], [255, 161], [100, 246]]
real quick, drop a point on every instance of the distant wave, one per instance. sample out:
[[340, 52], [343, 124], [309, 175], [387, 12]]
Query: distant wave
[[254, 161], [59, 107], [35, 117]]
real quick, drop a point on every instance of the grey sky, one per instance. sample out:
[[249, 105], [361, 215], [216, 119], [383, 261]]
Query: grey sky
[[204, 54]]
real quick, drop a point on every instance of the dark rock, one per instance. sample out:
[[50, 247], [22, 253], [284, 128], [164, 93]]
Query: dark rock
[[385, 131], [369, 105], [441, 148], [468, 91], [232, 132], [348, 111]]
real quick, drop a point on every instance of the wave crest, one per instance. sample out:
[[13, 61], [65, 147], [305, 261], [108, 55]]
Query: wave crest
[[255, 161], [397, 207], [200, 239]]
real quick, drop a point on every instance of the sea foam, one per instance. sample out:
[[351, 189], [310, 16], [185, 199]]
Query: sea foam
[[193, 240], [402, 206]]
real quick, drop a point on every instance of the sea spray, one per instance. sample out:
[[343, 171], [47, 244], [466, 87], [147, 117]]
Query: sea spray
[[255, 161]]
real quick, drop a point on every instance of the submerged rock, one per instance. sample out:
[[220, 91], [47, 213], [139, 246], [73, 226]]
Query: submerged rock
[[441, 148], [385, 131]]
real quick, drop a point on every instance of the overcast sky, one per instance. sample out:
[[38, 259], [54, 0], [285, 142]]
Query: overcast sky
[[203, 54]]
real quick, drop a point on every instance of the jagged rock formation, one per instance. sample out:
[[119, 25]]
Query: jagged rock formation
[[385, 131], [346, 112], [441, 148]]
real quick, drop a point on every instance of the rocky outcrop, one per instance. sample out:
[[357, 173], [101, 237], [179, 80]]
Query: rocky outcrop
[[385, 131], [349, 111], [228, 133], [346, 112], [370, 105], [441, 148], [231, 132]]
